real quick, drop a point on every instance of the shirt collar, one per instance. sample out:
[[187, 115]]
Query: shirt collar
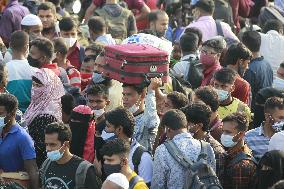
[[203, 18], [182, 135], [273, 32]]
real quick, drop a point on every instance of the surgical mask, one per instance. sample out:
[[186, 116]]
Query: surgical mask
[[207, 59], [278, 83], [70, 41], [133, 108], [55, 155], [278, 126], [33, 62], [227, 141], [222, 94], [97, 77], [109, 169], [99, 113]]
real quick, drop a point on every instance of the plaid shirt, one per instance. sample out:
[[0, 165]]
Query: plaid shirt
[[240, 175]]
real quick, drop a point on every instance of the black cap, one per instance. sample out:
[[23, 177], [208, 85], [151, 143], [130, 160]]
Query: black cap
[[206, 5]]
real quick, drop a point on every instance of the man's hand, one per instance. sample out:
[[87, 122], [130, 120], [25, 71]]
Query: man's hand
[[155, 84]]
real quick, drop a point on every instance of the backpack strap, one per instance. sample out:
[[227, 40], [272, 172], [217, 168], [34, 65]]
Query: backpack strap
[[82, 54], [43, 170], [136, 158], [219, 28], [204, 150], [81, 173], [134, 180], [242, 156]]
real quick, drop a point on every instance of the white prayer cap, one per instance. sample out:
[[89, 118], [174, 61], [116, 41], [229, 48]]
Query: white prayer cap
[[31, 20], [119, 179], [277, 142]]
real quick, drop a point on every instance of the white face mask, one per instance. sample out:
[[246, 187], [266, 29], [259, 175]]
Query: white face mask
[[278, 126], [70, 41], [278, 83], [227, 141], [133, 108], [99, 113]]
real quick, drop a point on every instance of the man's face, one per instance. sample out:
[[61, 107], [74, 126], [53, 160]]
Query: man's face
[[110, 128], [242, 67], [4, 113], [52, 143], [112, 160], [97, 102], [223, 86], [36, 53], [87, 67], [99, 62], [167, 105], [274, 116], [69, 34], [36, 30], [47, 18], [161, 24], [280, 73], [229, 128], [130, 97]]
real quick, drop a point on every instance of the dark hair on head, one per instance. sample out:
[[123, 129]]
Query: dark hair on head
[[189, 42], [238, 118], [178, 99], [19, 39], [218, 44], [282, 65], [116, 147], [97, 24], [198, 112], [278, 185], [10, 102], [265, 93], [235, 52], [98, 89], [153, 15], [272, 24], [60, 46], [206, 5], [122, 117], [174, 119], [209, 96], [97, 49], [67, 24], [63, 131], [44, 45], [252, 40], [197, 32], [55, 2], [272, 103], [225, 75], [138, 88], [47, 6], [68, 103]]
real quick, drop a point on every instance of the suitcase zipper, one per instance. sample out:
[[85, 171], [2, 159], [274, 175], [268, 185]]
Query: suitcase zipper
[[144, 63]]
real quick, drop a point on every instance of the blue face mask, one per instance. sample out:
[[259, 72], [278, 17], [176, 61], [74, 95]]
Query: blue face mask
[[222, 94], [55, 155]]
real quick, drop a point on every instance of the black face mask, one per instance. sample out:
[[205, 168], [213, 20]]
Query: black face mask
[[109, 169], [33, 62]]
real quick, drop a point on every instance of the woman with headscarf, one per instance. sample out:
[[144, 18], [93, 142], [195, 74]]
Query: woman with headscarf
[[270, 169], [44, 109]]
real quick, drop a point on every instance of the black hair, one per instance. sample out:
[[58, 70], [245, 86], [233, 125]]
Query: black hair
[[272, 103], [272, 24], [122, 117], [98, 89], [206, 5], [239, 118], [235, 52], [178, 99], [68, 103], [225, 75], [252, 40], [10, 102], [198, 113], [55, 2], [97, 24], [60, 46], [282, 65], [197, 32], [265, 93], [189, 42], [44, 45], [209, 96], [174, 119], [115, 147], [67, 24], [153, 15], [63, 131], [47, 6], [19, 39], [138, 88]]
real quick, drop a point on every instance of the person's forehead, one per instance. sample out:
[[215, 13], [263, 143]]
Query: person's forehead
[[163, 17], [95, 97], [229, 126], [45, 12], [129, 90], [53, 138], [34, 50]]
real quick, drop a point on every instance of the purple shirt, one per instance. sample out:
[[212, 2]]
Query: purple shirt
[[11, 19]]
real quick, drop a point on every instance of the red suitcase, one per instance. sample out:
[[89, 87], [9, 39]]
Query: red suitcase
[[135, 63]]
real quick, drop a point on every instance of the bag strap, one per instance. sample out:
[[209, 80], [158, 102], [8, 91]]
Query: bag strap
[[242, 156], [82, 54], [81, 173], [43, 170], [136, 158], [134, 180], [219, 28]]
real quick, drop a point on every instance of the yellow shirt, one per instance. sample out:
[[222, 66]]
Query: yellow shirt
[[140, 184], [235, 106]]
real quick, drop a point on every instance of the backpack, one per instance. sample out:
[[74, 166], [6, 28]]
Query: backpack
[[195, 72], [136, 158], [134, 181], [116, 26], [242, 156], [80, 175], [220, 32], [199, 175]]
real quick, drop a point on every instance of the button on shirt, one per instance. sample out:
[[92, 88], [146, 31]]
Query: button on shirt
[[16, 147], [207, 26], [167, 173], [181, 68], [11, 19]]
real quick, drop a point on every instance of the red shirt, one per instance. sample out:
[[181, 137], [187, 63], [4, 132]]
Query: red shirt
[[144, 24], [73, 75], [73, 56], [242, 90]]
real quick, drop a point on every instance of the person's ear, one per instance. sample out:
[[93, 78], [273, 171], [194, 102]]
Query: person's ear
[[107, 102], [124, 161]]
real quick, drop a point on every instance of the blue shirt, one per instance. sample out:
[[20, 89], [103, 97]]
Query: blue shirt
[[16, 147]]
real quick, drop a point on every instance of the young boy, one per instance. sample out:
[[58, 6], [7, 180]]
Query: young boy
[[68, 30], [86, 70]]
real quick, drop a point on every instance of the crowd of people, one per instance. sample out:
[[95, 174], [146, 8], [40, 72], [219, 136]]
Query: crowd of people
[[64, 124]]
